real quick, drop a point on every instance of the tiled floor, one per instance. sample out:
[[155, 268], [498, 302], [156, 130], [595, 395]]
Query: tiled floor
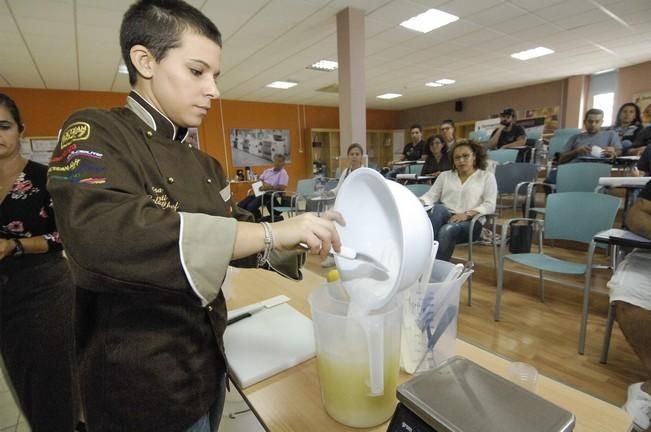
[[10, 418]]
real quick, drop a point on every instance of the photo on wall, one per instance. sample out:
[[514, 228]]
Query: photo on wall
[[252, 147], [643, 100]]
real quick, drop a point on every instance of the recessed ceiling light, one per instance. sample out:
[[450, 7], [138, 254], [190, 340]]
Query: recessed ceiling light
[[429, 20], [532, 53], [603, 71], [389, 96], [445, 81], [123, 69], [324, 65], [282, 84], [433, 84]]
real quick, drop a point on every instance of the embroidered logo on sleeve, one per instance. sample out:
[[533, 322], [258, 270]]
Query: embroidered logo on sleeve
[[77, 131]]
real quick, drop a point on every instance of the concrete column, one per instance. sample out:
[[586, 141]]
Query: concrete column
[[576, 100], [352, 84]]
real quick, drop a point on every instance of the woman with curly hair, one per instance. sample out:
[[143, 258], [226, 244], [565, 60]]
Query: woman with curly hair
[[459, 195]]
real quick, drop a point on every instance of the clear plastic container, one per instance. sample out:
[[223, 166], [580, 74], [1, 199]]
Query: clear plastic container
[[358, 358], [429, 331]]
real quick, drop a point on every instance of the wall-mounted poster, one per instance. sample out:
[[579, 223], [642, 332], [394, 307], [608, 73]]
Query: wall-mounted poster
[[251, 147], [551, 115], [643, 100]]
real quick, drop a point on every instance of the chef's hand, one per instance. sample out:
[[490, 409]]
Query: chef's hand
[[318, 233]]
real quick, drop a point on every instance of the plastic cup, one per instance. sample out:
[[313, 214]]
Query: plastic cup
[[524, 375]]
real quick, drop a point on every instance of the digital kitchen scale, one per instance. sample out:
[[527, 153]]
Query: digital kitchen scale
[[461, 396]]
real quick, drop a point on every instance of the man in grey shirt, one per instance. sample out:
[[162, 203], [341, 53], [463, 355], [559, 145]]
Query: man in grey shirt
[[582, 144]]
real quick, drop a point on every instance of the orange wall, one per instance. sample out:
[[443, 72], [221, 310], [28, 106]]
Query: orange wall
[[44, 111]]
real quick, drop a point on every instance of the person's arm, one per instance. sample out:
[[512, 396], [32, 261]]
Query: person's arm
[[638, 217], [489, 196], [116, 237], [570, 154], [433, 195], [521, 141], [495, 136], [30, 245], [614, 146]]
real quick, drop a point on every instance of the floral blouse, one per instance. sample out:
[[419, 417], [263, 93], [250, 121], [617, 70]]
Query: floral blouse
[[26, 210]]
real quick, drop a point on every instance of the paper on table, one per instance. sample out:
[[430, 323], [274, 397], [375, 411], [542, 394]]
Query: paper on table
[[623, 181], [597, 151], [256, 188]]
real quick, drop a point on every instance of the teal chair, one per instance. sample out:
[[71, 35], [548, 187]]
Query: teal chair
[[304, 189], [572, 177], [559, 140], [479, 136], [503, 155], [415, 169], [418, 189], [575, 216]]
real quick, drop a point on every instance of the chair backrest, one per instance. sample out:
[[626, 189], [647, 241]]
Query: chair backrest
[[479, 136], [578, 216], [509, 175], [503, 155], [415, 169], [338, 172], [534, 133], [418, 189], [581, 176], [306, 186], [558, 142]]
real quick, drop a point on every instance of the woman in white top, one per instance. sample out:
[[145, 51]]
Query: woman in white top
[[459, 195], [355, 154]]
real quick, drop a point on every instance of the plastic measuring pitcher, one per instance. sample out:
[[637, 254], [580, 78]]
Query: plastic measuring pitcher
[[350, 352]]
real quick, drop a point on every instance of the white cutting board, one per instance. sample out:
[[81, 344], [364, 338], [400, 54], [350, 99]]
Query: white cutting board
[[268, 342]]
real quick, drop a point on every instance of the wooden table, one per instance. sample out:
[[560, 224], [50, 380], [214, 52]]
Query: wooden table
[[291, 400]]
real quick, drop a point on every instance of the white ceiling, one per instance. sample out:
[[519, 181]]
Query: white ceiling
[[73, 44]]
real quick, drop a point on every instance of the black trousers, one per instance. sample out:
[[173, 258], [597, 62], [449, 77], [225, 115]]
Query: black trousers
[[37, 339]]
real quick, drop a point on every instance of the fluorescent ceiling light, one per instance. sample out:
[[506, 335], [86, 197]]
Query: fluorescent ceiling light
[[324, 65], [445, 81], [428, 21], [282, 84], [532, 53], [433, 84], [603, 72], [123, 69], [389, 96]]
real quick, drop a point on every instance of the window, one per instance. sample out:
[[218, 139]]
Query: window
[[604, 101]]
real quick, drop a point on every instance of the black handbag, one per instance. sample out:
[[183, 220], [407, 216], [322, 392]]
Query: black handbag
[[520, 241]]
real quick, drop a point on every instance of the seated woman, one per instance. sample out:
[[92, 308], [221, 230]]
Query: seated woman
[[437, 160], [459, 195], [628, 125], [355, 154]]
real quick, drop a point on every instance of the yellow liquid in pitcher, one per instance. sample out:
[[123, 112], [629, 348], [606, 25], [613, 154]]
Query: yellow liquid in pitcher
[[345, 391]]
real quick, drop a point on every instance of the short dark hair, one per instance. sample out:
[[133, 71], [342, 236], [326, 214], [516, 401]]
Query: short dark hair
[[11, 106], [638, 115], [592, 111], [355, 146], [280, 155], [450, 122], [439, 137], [478, 150], [416, 126], [158, 26]]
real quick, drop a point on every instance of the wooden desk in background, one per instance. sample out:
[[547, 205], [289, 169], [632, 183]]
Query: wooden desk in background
[[291, 400]]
